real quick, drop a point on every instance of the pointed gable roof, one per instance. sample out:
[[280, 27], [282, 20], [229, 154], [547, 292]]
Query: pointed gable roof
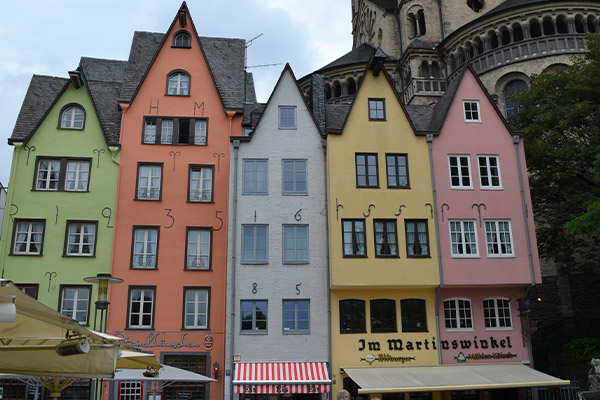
[[42, 94], [287, 68], [224, 57], [104, 79], [443, 105]]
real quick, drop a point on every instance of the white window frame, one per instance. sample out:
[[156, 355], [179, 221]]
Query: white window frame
[[149, 258], [295, 244], [471, 111], [81, 302], [201, 183], [201, 258], [29, 228], [200, 132], [493, 322], [294, 173], [463, 242], [78, 172], [287, 121], [150, 130], [73, 117], [178, 84], [79, 235], [487, 171], [299, 315], [197, 305], [495, 238], [252, 177], [453, 305], [460, 158], [150, 187], [254, 328], [249, 254], [182, 39], [48, 177], [142, 302]]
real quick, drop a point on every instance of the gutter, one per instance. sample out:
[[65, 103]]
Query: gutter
[[236, 147], [429, 137]]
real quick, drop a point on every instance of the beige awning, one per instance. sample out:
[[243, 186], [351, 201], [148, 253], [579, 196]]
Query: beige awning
[[441, 378]]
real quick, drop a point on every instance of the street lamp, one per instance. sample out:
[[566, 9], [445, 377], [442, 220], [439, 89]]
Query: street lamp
[[103, 280]]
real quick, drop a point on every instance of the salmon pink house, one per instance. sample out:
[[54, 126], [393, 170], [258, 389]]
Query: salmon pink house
[[182, 101], [488, 251]]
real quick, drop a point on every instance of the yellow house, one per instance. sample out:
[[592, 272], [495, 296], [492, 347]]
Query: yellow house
[[382, 240]]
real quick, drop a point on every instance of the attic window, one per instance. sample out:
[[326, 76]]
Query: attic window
[[476, 5], [178, 84], [182, 39], [72, 117]]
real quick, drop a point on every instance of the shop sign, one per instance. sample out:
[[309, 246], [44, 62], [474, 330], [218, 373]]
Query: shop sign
[[397, 344], [462, 357], [491, 343], [174, 340], [208, 342]]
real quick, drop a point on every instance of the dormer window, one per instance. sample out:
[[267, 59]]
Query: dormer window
[[179, 84], [182, 39], [72, 117]]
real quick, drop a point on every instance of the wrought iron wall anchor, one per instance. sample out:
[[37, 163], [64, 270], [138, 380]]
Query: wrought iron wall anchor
[[369, 210], [479, 210], [400, 210], [447, 208]]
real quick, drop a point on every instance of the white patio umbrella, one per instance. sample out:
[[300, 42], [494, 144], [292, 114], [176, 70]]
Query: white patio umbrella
[[53, 348]]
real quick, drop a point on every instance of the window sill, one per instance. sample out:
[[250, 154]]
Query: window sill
[[144, 268], [461, 256], [296, 262], [351, 332], [422, 256], [200, 202], [294, 194], [137, 199], [296, 332], [460, 330], [195, 329], [254, 262], [474, 121], [255, 194], [461, 188], [20, 255], [501, 256], [354, 256], [177, 95], [254, 332], [79, 255], [491, 188], [291, 128], [398, 187], [499, 329], [368, 187], [197, 269], [387, 256]]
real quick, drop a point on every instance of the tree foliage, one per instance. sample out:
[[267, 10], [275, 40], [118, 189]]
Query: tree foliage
[[560, 119]]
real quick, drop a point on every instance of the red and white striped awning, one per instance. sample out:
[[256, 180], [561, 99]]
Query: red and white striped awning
[[281, 377]]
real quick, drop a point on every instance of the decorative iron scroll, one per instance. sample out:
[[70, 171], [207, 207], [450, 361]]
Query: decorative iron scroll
[[50, 274], [430, 209], [29, 150], [400, 210], [369, 210], [98, 151], [174, 154], [218, 156], [108, 217], [337, 208], [479, 210], [447, 208], [12, 214]]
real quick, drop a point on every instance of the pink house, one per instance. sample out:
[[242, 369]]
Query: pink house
[[486, 232]]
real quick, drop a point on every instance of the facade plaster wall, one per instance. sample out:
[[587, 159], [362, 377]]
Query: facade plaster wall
[[276, 281], [52, 268], [488, 137]]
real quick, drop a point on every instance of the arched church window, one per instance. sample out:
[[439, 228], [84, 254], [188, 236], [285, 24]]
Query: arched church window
[[517, 32], [351, 86], [493, 39], [534, 28], [548, 26], [421, 22], [510, 90], [561, 24], [379, 37], [476, 5], [337, 89], [592, 24], [579, 24], [505, 36], [327, 91], [411, 25]]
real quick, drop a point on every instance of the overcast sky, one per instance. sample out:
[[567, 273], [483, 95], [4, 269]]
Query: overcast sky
[[48, 38]]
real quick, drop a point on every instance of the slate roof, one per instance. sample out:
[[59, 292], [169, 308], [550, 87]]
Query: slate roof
[[508, 4], [420, 116], [389, 5], [41, 95], [335, 116], [104, 79], [225, 58], [422, 44], [360, 55], [444, 103], [252, 113]]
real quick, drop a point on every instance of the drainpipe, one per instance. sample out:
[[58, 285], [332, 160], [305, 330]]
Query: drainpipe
[[429, 137], [236, 147], [516, 140], [329, 356], [11, 182]]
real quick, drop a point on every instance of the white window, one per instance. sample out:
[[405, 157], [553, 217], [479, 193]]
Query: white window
[[254, 243], [287, 117], [166, 132], [458, 314], [182, 39], [198, 248], [179, 84], [141, 308], [255, 177], [460, 172], [489, 172], [78, 173], [471, 109], [75, 178], [73, 117], [295, 243], [254, 316], [200, 131], [150, 131], [75, 303], [149, 182], [145, 247], [496, 312], [463, 238], [28, 237], [498, 238], [196, 308], [81, 238], [201, 183], [294, 177], [353, 231], [296, 316], [377, 109]]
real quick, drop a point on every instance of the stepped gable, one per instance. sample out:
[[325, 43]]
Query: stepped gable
[[104, 79], [41, 95]]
